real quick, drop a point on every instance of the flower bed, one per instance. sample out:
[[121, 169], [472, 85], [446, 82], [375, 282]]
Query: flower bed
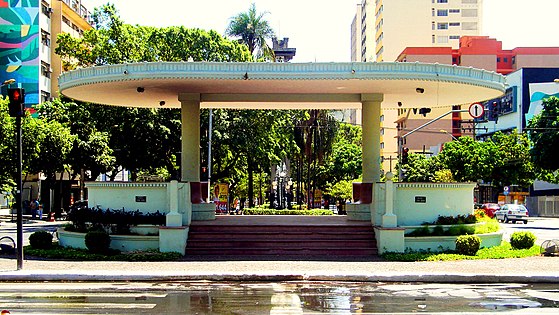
[[125, 243]]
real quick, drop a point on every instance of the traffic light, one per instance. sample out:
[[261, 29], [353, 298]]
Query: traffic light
[[17, 101], [405, 152], [493, 112]]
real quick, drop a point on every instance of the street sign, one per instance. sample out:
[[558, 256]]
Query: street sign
[[476, 110]]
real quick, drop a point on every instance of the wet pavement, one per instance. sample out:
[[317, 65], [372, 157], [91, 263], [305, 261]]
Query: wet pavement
[[304, 297]]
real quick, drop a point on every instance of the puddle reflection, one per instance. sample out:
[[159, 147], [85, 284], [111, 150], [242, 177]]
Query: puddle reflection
[[277, 298]]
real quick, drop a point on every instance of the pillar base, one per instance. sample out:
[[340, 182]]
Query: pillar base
[[203, 211], [358, 212], [173, 219], [173, 239], [389, 221], [390, 239]]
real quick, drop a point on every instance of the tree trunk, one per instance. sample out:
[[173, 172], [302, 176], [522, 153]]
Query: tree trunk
[[250, 182]]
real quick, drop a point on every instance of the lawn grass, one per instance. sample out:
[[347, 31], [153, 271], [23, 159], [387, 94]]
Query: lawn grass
[[76, 254], [502, 251]]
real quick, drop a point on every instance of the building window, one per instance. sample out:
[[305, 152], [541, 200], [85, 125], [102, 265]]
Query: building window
[[513, 60], [382, 131], [442, 39], [442, 12], [469, 26], [433, 26], [469, 13], [453, 10], [454, 24], [45, 9], [381, 118], [505, 59], [45, 96], [433, 39], [45, 38], [67, 21], [469, 1], [442, 26], [442, 1], [498, 59], [382, 145], [45, 69], [454, 37]]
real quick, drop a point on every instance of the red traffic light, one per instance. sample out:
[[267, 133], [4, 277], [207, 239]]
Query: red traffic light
[[16, 104]]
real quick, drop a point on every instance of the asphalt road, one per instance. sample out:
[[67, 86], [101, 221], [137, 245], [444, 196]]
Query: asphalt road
[[543, 228]]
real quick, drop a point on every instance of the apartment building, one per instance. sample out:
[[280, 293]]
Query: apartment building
[[28, 31], [380, 31]]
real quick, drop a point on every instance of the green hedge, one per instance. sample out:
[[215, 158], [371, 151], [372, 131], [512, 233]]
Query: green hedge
[[260, 211]]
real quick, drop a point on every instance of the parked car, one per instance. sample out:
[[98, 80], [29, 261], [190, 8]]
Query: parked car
[[490, 208], [511, 212]]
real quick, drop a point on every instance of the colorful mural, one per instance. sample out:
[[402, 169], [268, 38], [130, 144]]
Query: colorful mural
[[19, 45]]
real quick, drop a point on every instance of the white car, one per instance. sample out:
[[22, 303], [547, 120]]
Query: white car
[[512, 213]]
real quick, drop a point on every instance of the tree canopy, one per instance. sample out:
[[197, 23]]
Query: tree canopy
[[253, 30], [543, 130]]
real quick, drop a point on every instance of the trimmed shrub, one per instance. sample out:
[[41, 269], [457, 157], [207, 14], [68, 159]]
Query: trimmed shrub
[[97, 242], [41, 240], [468, 244], [522, 240]]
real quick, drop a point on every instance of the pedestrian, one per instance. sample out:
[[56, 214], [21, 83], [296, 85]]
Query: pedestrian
[[34, 206], [40, 211]]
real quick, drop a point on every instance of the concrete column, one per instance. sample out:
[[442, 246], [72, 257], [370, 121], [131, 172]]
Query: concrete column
[[190, 119], [173, 218], [371, 136], [389, 219]]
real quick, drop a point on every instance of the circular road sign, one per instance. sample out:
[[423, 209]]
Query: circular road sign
[[476, 110]]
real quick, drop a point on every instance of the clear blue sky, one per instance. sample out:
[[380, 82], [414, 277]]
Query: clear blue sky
[[320, 30]]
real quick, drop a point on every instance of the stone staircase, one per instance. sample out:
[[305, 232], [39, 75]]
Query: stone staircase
[[209, 238]]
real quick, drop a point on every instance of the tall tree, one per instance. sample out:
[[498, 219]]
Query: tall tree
[[253, 30], [543, 130]]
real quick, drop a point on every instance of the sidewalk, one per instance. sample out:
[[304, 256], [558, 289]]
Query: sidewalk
[[523, 270]]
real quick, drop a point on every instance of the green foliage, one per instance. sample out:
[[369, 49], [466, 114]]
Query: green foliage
[[522, 240], [341, 190], [502, 160], [459, 219], [544, 133], [460, 229], [258, 211], [59, 252], [489, 226], [253, 31], [41, 239], [468, 244], [97, 242], [497, 252]]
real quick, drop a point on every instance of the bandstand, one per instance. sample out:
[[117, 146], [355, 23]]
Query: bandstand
[[191, 86]]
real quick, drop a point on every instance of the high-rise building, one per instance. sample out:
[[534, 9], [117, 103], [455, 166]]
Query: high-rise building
[[28, 31], [381, 29]]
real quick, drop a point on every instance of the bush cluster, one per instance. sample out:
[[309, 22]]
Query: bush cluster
[[76, 254], [522, 240], [113, 221], [261, 211], [41, 239], [438, 230], [450, 220], [468, 244], [97, 242]]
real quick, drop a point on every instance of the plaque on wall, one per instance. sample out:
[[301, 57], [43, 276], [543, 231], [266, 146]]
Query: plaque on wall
[[141, 198], [420, 199]]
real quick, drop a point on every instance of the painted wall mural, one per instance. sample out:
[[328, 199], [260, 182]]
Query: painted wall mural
[[19, 46]]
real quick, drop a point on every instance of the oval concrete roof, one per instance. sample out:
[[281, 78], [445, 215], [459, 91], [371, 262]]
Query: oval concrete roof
[[281, 85]]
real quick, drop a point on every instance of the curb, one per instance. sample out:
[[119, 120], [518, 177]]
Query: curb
[[34, 276]]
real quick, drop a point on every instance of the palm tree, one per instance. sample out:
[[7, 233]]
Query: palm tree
[[253, 31]]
